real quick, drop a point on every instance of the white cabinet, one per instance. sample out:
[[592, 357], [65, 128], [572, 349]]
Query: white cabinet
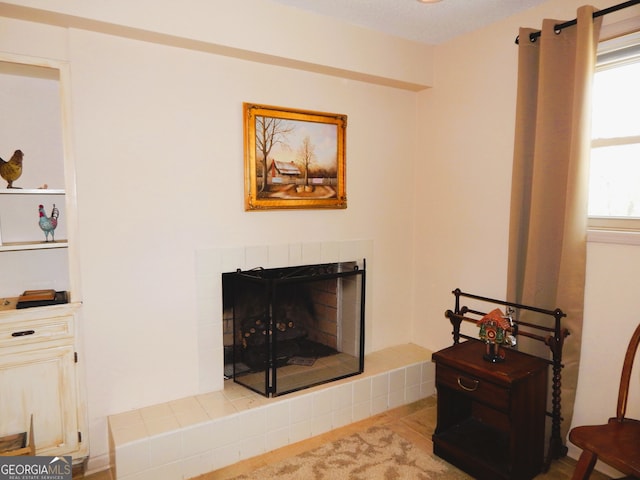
[[40, 360], [39, 376]]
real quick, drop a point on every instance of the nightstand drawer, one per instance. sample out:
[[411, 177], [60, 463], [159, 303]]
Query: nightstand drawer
[[33, 331], [476, 388]]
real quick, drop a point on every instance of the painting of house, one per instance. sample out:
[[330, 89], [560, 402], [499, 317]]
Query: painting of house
[[283, 172]]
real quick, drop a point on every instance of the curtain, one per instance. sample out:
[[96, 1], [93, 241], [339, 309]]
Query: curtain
[[548, 222]]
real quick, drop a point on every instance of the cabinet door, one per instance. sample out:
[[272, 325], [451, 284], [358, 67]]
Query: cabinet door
[[40, 382]]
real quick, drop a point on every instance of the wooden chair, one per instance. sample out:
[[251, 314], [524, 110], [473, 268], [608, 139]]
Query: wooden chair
[[618, 442]]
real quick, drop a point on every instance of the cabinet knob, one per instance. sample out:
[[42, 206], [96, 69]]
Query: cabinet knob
[[23, 333], [472, 388]]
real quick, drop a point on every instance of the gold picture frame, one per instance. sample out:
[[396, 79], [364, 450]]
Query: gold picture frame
[[293, 158]]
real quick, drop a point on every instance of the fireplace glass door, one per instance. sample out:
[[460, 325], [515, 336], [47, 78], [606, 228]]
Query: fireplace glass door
[[297, 327]]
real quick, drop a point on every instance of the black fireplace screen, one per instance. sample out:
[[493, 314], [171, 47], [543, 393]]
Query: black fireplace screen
[[296, 327]]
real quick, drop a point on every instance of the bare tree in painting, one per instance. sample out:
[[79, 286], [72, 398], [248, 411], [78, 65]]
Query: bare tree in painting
[[306, 154], [270, 131]]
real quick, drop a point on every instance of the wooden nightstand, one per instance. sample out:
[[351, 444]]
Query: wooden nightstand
[[491, 416]]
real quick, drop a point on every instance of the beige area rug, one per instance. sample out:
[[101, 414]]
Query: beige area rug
[[376, 454]]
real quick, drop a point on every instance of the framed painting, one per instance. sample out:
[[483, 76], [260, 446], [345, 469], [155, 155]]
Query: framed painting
[[293, 158]]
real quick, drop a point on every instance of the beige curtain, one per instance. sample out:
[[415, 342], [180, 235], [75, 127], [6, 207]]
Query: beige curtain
[[547, 235]]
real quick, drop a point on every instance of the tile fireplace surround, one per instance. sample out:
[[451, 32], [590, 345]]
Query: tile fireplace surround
[[191, 436], [225, 422]]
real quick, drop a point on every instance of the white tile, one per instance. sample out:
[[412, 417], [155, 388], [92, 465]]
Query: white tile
[[250, 402], [165, 448], [226, 455], [322, 402], [252, 446], [154, 412], [252, 423], [342, 416], [226, 431], [342, 397], [428, 371], [132, 458], [206, 286], [233, 391], [209, 364], [311, 253], [232, 259], [350, 251], [256, 256], [301, 408], [362, 390], [330, 252], [396, 398], [413, 374], [212, 431], [277, 415], [184, 404], [216, 405], [379, 404], [198, 464], [278, 256], [125, 419], [207, 336], [396, 380], [207, 261], [161, 425], [412, 394], [277, 437], [198, 438], [361, 410], [322, 423], [380, 385], [300, 431], [427, 389], [295, 254], [124, 435]]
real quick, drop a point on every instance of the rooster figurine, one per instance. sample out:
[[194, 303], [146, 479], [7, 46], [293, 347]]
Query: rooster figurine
[[12, 169], [48, 224]]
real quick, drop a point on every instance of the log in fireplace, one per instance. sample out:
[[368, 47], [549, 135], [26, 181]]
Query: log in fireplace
[[294, 327]]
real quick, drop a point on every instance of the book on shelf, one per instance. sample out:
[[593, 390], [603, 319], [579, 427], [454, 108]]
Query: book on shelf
[[40, 298]]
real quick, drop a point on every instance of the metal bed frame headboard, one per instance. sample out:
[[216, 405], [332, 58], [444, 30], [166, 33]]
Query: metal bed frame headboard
[[553, 337]]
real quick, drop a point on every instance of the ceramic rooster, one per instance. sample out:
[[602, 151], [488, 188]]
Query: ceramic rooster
[[48, 224], [12, 169]]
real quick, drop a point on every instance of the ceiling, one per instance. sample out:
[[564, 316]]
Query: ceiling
[[426, 23]]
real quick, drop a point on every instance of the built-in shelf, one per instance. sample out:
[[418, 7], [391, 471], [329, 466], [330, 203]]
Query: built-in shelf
[[32, 191], [14, 246], [41, 371], [33, 244]]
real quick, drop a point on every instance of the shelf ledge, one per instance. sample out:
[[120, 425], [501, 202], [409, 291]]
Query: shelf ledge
[[32, 191], [15, 246]]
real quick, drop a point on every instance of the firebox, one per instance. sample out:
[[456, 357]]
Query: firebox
[[295, 327]]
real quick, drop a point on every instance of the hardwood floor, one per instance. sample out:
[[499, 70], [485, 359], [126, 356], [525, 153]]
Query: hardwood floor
[[415, 422]]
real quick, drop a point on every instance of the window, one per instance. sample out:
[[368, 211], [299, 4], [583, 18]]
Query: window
[[614, 184]]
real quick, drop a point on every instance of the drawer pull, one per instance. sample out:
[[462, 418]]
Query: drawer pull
[[23, 333], [468, 389]]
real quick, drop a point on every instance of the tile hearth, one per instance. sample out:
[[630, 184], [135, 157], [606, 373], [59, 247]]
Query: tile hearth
[[194, 435]]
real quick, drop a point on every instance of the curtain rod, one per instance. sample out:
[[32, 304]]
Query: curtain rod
[[534, 36]]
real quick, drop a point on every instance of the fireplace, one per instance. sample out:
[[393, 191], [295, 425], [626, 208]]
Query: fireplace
[[292, 328]]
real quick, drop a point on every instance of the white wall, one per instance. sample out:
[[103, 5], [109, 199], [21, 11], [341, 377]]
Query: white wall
[[463, 178], [158, 142], [157, 132]]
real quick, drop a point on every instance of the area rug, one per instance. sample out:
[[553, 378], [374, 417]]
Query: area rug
[[376, 454]]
